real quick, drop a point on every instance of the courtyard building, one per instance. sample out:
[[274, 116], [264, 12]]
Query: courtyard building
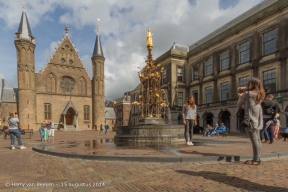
[[253, 44]]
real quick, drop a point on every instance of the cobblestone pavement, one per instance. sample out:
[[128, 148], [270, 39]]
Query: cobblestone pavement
[[26, 170]]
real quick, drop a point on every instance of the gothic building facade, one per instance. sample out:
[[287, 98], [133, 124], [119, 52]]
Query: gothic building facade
[[62, 91]]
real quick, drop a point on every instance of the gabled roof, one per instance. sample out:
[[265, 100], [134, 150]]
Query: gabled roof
[[10, 95], [110, 113], [69, 104], [97, 47], [180, 47]]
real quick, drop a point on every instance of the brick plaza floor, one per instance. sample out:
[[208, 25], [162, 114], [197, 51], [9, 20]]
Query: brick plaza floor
[[27, 170]]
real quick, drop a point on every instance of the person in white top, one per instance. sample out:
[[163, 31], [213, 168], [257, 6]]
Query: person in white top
[[189, 115], [14, 130]]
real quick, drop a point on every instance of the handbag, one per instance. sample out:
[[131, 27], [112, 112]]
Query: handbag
[[246, 122]]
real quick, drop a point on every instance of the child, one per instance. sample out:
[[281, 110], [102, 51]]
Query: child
[[208, 130], [46, 130], [41, 130], [106, 128], [101, 128]]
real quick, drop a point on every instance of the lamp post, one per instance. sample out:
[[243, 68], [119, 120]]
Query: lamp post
[[279, 99], [168, 108], [136, 103]]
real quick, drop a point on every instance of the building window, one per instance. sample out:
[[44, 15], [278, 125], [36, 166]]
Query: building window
[[208, 93], [224, 91], [86, 112], [208, 67], [243, 81], [269, 42], [180, 74], [47, 111], [224, 60], [194, 73], [195, 95], [180, 98], [164, 78], [244, 52], [269, 81]]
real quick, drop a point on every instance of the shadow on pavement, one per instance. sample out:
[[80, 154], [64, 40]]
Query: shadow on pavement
[[232, 181]]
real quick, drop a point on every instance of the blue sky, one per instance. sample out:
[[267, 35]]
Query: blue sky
[[123, 25]]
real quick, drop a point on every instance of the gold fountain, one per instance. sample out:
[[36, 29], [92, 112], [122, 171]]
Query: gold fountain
[[150, 100]]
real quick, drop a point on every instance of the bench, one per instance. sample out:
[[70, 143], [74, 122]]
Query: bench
[[28, 131]]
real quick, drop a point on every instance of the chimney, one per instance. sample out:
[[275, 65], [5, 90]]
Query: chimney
[[3, 85]]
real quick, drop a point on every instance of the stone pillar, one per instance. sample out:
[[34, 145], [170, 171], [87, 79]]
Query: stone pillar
[[233, 124]]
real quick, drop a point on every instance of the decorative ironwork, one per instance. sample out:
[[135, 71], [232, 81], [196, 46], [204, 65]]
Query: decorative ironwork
[[67, 84], [150, 100]]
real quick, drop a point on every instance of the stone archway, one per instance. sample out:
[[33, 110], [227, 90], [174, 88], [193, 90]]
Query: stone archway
[[240, 116], [207, 118], [224, 117], [70, 116]]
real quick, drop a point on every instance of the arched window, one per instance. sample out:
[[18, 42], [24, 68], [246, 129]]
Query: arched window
[[82, 86], [51, 83]]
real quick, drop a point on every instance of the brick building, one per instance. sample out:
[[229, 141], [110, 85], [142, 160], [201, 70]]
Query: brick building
[[62, 91]]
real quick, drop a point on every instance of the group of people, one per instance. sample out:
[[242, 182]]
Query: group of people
[[211, 131], [262, 115], [106, 127], [47, 130]]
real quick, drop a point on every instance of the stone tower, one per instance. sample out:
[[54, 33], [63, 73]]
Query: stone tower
[[25, 46], [98, 94]]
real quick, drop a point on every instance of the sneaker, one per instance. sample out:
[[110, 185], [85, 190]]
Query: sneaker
[[12, 148], [190, 143], [22, 147], [209, 135], [187, 143]]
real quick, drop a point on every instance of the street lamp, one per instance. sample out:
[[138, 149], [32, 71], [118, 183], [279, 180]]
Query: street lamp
[[136, 103], [279, 99]]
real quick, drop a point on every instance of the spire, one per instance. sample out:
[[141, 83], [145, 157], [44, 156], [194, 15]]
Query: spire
[[24, 31], [97, 47]]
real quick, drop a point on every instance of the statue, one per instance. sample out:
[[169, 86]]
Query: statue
[[149, 38]]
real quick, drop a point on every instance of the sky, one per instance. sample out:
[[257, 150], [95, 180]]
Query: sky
[[122, 27]]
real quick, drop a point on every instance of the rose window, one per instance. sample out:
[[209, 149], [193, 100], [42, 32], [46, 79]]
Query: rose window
[[67, 84]]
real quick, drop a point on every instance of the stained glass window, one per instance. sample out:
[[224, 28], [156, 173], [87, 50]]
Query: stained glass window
[[67, 84]]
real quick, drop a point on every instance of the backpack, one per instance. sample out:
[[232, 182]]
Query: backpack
[[270, 111]]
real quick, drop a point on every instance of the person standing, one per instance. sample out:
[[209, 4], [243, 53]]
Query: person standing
[[276, 126], [51, 131], [189, 115], [251, 99], [46, 130], [269, 108], [41, 131], [106, 126], [14, 130]]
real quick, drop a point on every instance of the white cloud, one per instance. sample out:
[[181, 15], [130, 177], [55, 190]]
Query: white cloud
[[124, 24]]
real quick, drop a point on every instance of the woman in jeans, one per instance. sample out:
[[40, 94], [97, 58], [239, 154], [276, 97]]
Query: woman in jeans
[[189, 115], [251, 99], [14, 131]]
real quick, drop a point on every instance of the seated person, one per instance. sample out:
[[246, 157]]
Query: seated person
[[285, 134], [214, 130], [208, 130], [221, 129]]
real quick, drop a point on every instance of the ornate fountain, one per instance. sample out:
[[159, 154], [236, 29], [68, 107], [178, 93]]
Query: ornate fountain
[[151, 129]]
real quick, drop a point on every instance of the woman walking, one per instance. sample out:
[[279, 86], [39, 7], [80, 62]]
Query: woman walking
[[14, 130], [189, 115], [251, 99]]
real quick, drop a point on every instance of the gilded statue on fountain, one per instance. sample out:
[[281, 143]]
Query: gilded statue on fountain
[[151, 101]]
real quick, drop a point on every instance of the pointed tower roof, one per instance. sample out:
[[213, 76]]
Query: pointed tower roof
[[24, 27], [97, 47]]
